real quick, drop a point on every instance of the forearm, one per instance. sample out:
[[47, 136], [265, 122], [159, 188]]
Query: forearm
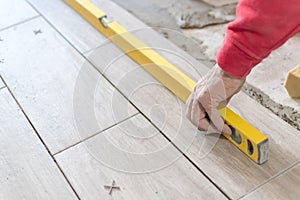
[[260, 27]]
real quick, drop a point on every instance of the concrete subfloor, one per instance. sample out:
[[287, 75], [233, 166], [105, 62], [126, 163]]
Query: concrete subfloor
[[169, 18], [198, 27]]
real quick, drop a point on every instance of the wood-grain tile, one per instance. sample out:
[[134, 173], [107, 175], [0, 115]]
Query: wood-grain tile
[[74, 28], [140, 160], [285, 186], [27, 171], [65, 98], [229, 168], [85, 38], [1, 84], [14, 11]]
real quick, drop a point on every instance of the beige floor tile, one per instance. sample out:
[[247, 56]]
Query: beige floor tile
[[27, 171], [1, 84], [285, 186], [74, 28], [66, 99], [140, 160], [15, 11]]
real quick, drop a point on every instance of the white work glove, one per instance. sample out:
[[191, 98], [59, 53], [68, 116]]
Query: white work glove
[[213, 91]]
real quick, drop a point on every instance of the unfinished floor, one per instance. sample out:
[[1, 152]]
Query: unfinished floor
[[78, 114]]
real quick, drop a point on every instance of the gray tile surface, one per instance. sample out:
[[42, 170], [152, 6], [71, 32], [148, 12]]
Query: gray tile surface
[[66, 99], [81, 34], [141, 162], [284, 186], [27, 170], [1, 84], [15, 11]]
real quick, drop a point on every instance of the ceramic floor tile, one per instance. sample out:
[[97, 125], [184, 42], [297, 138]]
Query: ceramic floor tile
[[1, 84], [64, 97], [81, 34], [140, 161], [27, 171], [285, 186], [14, 11]]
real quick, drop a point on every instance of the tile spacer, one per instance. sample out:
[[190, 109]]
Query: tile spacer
[[111, 187]]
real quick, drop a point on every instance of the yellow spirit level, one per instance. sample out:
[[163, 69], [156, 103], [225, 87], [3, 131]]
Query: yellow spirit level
[[247, 138]]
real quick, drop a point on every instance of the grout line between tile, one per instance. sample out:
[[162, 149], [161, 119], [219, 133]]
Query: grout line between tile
[[20, 22], [282, 172], [95, 134], [39, 137], [2, 83]]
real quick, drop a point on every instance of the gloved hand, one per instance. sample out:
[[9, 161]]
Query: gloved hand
[[213, 91]]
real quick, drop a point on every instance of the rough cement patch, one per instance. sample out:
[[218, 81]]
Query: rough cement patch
[[219, 3], [201, 18], [287, 113], [210, 38], [178, 13], [154, 13], [157, 13], [191, 46], [265, 82]]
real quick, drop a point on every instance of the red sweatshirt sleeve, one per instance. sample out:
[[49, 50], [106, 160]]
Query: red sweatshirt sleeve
[[260, 27]]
